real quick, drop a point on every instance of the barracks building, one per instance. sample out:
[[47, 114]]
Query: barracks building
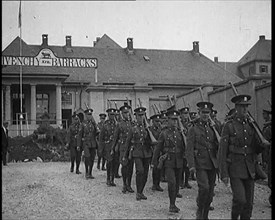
[[61, 80]]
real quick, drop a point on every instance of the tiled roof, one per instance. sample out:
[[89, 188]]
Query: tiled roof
[[232, 67], [116, 65], [260, 51]]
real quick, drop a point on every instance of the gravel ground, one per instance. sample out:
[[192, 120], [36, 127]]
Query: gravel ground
[[35, 190]]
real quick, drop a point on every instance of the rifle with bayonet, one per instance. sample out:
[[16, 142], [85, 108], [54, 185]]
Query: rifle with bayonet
[[131, 111], [212, 123], [152, 138], [252, 121]]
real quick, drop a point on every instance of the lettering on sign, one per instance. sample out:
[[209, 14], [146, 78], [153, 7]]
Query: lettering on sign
[[47, 58]]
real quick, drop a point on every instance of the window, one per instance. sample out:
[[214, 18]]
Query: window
[[263, 69], [66, 98], [42, 103]]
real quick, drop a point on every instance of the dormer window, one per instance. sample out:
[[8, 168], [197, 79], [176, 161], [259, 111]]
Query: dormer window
[[263, 69]]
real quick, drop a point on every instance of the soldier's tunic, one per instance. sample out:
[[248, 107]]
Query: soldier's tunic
[[156, 173], [238, 149], [106, 144], [99, 153], [139, 139], [72, 136], [122, 130], [87, 139], [171, 141], [201, 153]]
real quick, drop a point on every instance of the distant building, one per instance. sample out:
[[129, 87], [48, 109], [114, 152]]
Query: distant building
[[64, 79]]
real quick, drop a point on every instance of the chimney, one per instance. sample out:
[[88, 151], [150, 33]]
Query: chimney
[[97, 39], [68, 41], [196, 47], [262, 37], [94, 43], [44, 39], [216, 60], [130, 45]]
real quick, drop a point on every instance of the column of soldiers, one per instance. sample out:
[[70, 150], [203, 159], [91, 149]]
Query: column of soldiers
[[205, 150]]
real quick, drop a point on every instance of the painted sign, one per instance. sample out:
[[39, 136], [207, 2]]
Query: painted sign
[[47, 58]]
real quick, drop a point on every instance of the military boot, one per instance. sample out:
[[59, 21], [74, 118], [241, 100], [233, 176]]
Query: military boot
[[173, 208], [72, 168], [199, 213], [124, 189], [112, 181]]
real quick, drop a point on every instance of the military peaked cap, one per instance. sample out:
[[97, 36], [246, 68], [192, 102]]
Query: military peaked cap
[[125, 108], [193, 114], [111, 111], [88, 111], [173, 114], [205, 105], [140, 110], [214, 111], [163, 114], [184, 110], [241, 99], [75, 115], [102, 115], [156, 116]]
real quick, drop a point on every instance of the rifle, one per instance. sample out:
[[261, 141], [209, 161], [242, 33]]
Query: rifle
[[156, 107], [131, 111], [155, 112], [93, 120], [212, 123], [180, 124], [120, 116], [228, 107], [252, 121], [152, 138]]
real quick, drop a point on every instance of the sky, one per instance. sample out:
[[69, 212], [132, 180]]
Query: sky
[[225, 29]]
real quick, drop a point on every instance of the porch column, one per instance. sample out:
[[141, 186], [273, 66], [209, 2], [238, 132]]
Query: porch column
[[8, 104], [33, 104], [58, 105], [2, 104]]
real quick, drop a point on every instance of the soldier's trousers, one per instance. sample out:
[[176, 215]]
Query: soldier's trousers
[[127, 172], [116, 163], [156, 174], [89, 161], [172, 175], [185, 173], [243, 193], [142, 168], [111, 165], [206, 182], [75, 157]]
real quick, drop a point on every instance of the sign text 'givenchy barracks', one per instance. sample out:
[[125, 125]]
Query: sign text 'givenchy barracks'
[[46, 58]]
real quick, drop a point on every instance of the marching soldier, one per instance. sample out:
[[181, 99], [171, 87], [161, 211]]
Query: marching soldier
[[121, 133], [184, 177], [171, 143], [141, 151], [87, 139], [75, 150], [102, 117], [201, 153], [156, 173], [116, 153], [163, 125], [106, 144], [267, 154], [238, 151]]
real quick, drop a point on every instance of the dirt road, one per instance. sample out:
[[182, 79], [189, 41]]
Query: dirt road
[[49, 191]]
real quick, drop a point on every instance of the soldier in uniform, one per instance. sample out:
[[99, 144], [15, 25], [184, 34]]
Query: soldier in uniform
[[102, 117], [106, 144], [75, 150], [140, 151], [122, 129], [163, 125], [193, 115], [87, 139], [201, 153], [170, 142], [156, 173], [238, 151], [116, 155], [267, 153], [184, 177]]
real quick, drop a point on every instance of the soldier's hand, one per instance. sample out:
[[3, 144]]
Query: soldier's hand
[[78, 148], [192, 170], [67, 146], [152, 166], [225, 180], [112, 152]]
